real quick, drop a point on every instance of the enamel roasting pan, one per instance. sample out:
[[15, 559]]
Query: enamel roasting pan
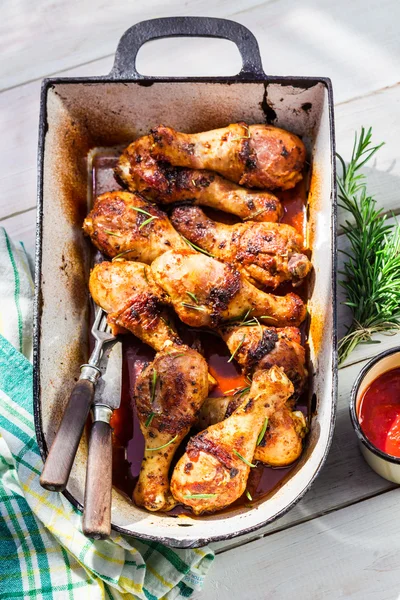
[[80, 114]]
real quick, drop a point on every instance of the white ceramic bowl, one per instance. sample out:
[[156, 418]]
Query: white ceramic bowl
[[386, 465]]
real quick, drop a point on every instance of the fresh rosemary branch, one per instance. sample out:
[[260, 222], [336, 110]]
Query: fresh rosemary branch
[[371, 273]]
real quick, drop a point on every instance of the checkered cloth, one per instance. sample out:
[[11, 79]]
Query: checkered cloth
[[43, 553]]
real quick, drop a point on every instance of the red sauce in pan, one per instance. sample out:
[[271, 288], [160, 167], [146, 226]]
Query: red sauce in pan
[[128, 442], [379, 412]]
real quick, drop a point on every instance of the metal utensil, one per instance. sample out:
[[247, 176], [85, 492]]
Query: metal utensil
[[97, 509], [62, 453]]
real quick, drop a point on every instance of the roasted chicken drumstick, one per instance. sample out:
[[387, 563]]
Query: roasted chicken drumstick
[[260, 347], [166, 184], [266, 253], [260, 156], [282, 443], [214, 470], [205, 292], [128, 293], [168, 395], [126, 225]]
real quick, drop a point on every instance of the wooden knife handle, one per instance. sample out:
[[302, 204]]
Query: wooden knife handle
[[97, 510], [62, 453]]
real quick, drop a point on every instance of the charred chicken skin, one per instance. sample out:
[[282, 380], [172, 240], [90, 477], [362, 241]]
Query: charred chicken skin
[[214, 470], [282, 443], [205, 292], [128, 293], [168, 394], [266, 253], [255, 156], [165, 184], [126, 225], [261, 347]]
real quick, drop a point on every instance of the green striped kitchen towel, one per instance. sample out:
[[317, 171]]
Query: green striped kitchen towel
[[43, 553]]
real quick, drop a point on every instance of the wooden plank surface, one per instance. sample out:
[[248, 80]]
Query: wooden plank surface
[[349, 41], [353, 553]]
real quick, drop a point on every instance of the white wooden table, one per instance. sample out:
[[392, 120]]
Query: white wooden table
[[343, 539]]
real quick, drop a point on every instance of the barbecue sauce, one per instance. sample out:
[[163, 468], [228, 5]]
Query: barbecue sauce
[[379, 412]]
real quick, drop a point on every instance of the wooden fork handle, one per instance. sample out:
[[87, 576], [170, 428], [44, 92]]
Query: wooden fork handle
[[62, 453], [97, 509]]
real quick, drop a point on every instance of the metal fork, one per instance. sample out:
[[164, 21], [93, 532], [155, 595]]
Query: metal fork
[[62, 453]]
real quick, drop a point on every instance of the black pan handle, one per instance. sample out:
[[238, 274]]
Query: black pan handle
[[153, 29]]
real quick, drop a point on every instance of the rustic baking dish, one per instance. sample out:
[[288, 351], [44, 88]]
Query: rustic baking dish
[[81, 114]]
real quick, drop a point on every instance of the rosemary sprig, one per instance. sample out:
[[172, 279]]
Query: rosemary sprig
[[249, 464], [189, 243], [262, 432], [163, 446], [237, 349], [371, 273], [200, 496], [153, 385]]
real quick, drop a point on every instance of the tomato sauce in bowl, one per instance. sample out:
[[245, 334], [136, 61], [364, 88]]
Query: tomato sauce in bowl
[[379, 412]]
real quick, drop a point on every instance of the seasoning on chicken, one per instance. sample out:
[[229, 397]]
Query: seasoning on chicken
[[168, 393], [128, 293], [126, 225], [266, 253], [260, 156], [205, 292], [166, 184], [214, 470], [282, 443], [261, 347]]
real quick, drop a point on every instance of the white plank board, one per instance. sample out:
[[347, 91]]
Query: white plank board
[[19, 124], [353, 553], [355, 43], [379, 110]]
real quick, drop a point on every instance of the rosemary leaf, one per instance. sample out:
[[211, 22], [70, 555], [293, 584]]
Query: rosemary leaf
[[237, 349], [122, 254], [153, 385], [262, 432], [200, 308], [200, 496], [189, 243], [112, 233], [147, 221], [144, 212], [249, 464], [242, 137], [268, 317], [193, 297], [258, 212], [149, 419], [163, 446]]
